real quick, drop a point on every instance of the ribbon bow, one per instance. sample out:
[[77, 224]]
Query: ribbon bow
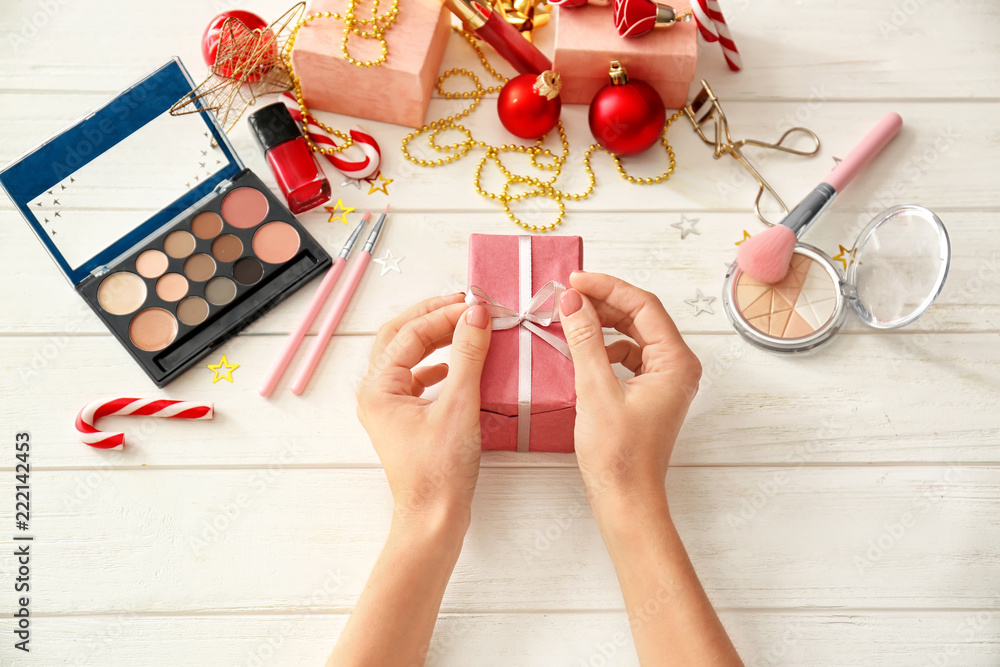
[[531, 318]]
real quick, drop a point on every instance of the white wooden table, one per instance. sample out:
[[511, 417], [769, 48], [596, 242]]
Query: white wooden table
[[246, 541]]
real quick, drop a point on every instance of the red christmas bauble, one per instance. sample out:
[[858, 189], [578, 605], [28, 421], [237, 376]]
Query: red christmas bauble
[[529, 104], [214, 34], [626, 117]]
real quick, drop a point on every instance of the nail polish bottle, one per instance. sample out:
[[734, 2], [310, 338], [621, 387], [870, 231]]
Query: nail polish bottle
[[299, 175]]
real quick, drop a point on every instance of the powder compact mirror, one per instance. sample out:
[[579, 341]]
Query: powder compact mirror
[[899, 266], [159, 227]]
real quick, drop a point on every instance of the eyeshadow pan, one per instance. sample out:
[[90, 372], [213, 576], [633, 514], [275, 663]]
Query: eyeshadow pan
[[152, 329], [121, 293], [206, 225], [276, 242], [192, 310], [227, 248], [244, 208], [151, 264], [199, 267], [179, 244], [248, 270], [172, 287], [220, 290]]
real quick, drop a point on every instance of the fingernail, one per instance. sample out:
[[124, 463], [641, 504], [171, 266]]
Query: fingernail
[[477, 317], [570, 302]]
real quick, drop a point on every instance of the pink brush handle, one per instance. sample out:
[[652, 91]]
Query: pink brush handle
[[865, 151], [330, 323], [319, 298]]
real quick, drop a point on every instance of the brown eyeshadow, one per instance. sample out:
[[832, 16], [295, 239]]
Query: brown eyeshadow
[[227, 248], [248, 271], [206, 225], [179, 244], [192, 310], [199, 267]]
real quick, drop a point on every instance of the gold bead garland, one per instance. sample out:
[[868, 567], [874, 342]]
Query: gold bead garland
[[375, 27], [541, 188]]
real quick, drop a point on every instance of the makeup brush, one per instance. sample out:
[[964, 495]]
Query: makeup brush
[[766, 256], [319, 298], [338, 309]]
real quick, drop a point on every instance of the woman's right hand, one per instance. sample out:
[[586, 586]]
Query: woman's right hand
[[625, 430]]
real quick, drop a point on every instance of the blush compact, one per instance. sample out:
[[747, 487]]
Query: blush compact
[[895, 272], [159, 227]]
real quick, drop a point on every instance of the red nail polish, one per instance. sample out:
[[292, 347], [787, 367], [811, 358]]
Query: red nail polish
[[293, 163], [570, 302]]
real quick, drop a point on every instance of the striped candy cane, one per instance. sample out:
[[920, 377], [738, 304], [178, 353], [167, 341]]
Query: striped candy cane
[[356, 169], [713, 27], [147, 407]]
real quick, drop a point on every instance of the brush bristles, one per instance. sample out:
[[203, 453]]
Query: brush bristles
[[767, 255]]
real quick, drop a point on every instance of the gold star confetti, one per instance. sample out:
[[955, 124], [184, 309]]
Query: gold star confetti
[[339, 206], [217, 369], [746, 235], [384, 188], [844, 254]]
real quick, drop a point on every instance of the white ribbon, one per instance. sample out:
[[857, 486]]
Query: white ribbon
[[529, 319]]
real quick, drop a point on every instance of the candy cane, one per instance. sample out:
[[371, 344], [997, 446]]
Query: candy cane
[[352, 169], [148, 407], [713, 27]]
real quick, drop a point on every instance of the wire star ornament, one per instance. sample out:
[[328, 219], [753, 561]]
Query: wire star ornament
[[339, 206], [384, 188], [701, 304], [389, 263], [248, 65], [217, 369], [687, 226]]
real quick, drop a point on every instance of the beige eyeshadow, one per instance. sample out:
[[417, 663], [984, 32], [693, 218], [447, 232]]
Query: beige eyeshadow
[[179, 244], [276, 242], [206, 225], [220, 291], [152, 329], [151, 264], [797, 306], [244, 208], [227, 248], [199, 267], [192, 310], [172, 287], [121, 293]]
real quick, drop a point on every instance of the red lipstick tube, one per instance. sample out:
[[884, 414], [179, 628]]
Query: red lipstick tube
[[490, 27], [293, 163]]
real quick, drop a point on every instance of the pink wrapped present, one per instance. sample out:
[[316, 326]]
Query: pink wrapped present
[[528, 393], [587, 41], [399, 90]]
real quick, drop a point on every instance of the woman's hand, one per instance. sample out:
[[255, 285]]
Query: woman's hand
[[625, 430], [430, 449]]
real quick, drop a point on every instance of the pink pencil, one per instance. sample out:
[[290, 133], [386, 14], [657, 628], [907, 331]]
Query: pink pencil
[[337, 311], [319, 298]]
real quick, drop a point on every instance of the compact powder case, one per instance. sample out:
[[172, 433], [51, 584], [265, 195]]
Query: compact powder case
[[159, 227], [896, 272]]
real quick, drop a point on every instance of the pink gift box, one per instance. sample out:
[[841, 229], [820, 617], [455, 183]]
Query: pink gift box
[[497, 264], [587, 42], [398, 91]]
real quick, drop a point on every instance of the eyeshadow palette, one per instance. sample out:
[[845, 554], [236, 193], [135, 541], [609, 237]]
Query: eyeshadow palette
[[198, 249]]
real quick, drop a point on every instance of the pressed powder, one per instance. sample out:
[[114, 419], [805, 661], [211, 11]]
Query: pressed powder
[[244, 208], [276, 242], [792, 308], [227, 248], [179, 244], [172, 287], [199, 268]]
